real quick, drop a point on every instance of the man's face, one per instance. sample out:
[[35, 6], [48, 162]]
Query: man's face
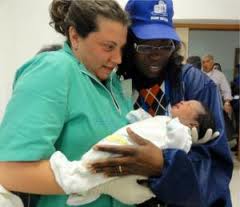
[[101, 51], [207, 64], [152, 56]]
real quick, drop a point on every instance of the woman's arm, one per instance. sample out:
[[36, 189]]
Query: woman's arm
[[37, 107], [29, 177]]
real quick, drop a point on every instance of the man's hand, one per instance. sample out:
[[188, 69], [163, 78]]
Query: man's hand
[[144, 158], [209, 135]]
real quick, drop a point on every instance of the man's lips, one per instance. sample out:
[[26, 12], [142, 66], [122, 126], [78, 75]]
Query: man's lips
[[154, 68]]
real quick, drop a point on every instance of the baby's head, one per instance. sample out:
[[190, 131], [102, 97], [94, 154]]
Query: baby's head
[[194, 114]]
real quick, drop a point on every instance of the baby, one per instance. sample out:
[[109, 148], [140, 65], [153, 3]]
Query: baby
[[164, 131]]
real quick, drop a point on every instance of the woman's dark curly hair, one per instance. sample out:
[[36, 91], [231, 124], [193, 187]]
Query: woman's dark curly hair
[[128, 67], [83, 14]]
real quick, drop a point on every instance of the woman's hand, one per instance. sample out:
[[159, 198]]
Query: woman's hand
[[144, 158]]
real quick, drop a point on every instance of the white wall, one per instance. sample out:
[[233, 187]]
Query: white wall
[[24, 30], [205, 10]]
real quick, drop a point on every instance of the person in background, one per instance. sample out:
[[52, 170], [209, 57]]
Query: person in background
[[220, 80], [195, 61], [153, 68], [217, 66], [224, 88], [65, 100]]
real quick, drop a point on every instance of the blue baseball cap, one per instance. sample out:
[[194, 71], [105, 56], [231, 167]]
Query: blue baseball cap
[[152, 19]]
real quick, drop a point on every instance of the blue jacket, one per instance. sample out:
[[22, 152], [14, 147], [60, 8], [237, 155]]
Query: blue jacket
[[201, 177]]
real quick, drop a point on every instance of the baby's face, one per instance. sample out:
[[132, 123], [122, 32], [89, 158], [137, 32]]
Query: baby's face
[[187, 111]]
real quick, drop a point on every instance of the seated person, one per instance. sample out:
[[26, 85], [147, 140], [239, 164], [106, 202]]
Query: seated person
[[164, 131]]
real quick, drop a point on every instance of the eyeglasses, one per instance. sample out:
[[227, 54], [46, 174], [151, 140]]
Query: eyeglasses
[[148, 49]]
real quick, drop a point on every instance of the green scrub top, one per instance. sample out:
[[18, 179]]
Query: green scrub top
[[58, 105]]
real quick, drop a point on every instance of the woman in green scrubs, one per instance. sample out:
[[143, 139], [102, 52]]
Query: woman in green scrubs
[[65, 100]]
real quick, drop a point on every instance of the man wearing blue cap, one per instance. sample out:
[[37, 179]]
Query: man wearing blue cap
[[159, 80]]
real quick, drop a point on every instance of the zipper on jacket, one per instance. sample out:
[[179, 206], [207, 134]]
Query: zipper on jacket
[[110, 92], [113, 97]]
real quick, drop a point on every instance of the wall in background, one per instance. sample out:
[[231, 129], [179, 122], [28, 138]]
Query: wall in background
[[204, 10], [24, 30], [184, 36], [221, 44]]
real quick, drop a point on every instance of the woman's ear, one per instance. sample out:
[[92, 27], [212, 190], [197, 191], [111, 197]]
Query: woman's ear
[[74, 38]]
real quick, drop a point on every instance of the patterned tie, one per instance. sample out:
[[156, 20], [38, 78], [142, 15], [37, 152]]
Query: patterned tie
[[153, 100]]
